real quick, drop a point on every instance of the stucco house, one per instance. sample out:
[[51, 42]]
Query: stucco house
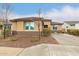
[[1, 25], [71, 25], [57, 26], [30, 24]]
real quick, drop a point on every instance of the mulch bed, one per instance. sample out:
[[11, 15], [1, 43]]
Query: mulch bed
[[23, 42]]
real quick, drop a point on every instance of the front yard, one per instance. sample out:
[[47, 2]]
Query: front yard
[[23, 41]]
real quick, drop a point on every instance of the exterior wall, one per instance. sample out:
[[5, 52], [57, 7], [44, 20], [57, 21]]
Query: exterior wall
[[36, 25], [14, 26], [17, 26], [77, 26], [48, 23], [59, 28], [0, 32], [1, 22], [70, 27], [20, 26]]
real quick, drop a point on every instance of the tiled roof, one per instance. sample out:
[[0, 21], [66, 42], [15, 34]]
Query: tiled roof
[[56, 23], [71, 21], [30, 18]]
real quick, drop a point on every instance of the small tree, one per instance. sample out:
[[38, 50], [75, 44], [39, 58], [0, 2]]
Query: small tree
[[5, 13], [39, 23]]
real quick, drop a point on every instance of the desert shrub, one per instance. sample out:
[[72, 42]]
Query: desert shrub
[[7, 32], [60, 31], [12, 39], [1, 26], [46, 32], [1, 37], [34, 39], [73, 31]]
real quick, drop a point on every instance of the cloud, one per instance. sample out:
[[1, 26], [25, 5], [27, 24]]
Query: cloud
[[63, 14]]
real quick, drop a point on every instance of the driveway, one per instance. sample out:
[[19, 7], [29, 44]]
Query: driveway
[[66, 39]]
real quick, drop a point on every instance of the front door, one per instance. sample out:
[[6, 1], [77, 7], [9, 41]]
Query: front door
[[29, 26]]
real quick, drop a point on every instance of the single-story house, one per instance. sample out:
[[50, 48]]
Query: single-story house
[[3, 24], [71, 25], [30, 24], [57, 26]]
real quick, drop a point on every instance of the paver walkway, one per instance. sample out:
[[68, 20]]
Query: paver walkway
[[66, 39]]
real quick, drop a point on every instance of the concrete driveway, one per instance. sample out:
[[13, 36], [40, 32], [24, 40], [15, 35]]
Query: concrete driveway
[[66, 39]]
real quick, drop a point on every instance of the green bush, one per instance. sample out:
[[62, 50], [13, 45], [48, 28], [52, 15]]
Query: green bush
[[13, 39], [46, 32], [73, 31], [7, 32], [35, 39]]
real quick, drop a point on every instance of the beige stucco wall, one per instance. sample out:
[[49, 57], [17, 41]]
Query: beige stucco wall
[[20, 25], [48, 23], [59, 27], [36, 25], [14, 26], [17, 26], [0, 32]]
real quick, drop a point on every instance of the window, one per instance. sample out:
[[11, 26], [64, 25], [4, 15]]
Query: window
[[45, 26], [29, 26], [72, 24], [55, 28], [1, 26], [66, 26], [32, 28]]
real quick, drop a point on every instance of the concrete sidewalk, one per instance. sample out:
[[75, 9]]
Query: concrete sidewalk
[[51, 50], [9, 51], [41, 50]]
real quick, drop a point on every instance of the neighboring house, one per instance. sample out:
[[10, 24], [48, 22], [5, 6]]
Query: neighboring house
[[2, 24], [30, 24], [71, 25], [56, 26]]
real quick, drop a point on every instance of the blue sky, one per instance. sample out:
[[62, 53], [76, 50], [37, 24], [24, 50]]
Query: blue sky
[[54, 11], [32, 8]]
